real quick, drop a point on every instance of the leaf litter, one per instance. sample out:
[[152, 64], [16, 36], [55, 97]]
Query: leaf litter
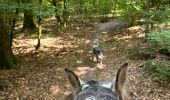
[[40, 74]]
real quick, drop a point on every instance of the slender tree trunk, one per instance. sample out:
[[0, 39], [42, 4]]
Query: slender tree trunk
[[7, 59], [39, 32], [65, 13], [147, 10], [13, 26], [58, 17], [80, 11], [133, 19], [39, 29], [39, 37]]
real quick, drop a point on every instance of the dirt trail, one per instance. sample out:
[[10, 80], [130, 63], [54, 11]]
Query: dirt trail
[[40, 74]]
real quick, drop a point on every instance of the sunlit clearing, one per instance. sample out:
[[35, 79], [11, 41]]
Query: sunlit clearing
[[100, 66], [124, 37], [114, 48], [24, 46], [51, 18], [54, 89], [19, 27], [25, 42], [77, 28], [104, 32], [87, 41], [47, 29], [80, 51], [82, 70], [141, 35], [79, 62], [67, 93], [92, 31], [136, 30]]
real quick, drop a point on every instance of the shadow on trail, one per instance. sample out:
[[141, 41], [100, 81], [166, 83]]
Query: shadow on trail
[[40, 74]]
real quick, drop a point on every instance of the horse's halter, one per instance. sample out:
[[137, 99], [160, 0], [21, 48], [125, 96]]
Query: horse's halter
[[92, 90]]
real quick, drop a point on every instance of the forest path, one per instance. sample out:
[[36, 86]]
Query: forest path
[[40, 74]]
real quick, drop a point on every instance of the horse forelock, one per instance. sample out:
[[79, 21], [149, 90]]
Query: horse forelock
[[96, 92]]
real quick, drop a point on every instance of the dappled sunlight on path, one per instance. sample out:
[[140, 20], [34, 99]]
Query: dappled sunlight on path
[[40, 74]]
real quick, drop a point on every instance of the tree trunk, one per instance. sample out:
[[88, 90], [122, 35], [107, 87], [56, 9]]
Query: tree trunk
[[58, 17], [147, 10], [39, 34], [65, 15], [13, 26], [7, 59], [134, 19], [29, 22]]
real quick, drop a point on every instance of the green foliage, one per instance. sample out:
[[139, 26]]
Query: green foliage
[[160, 71], [105, 6], [160, 15], [143, 51], [161, 37], [87, 7], [8, 10], [46, 9], [132, 11], [157, 40], [128, 9]]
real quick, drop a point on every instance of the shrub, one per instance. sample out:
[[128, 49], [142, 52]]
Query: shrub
[[143, 51], [161, 37], [160, 71], [158, 42]]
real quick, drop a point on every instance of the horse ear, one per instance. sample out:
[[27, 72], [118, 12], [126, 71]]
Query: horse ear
[[73, 79], [120, 80]]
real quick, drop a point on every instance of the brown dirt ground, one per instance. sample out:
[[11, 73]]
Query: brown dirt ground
[[40, 74]]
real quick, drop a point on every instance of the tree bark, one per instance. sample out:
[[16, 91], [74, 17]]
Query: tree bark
[[7, 59], [39, 37], [13, 26], [58, 17], [29, 22], [65, 15], [147, 10], [39, 30]]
